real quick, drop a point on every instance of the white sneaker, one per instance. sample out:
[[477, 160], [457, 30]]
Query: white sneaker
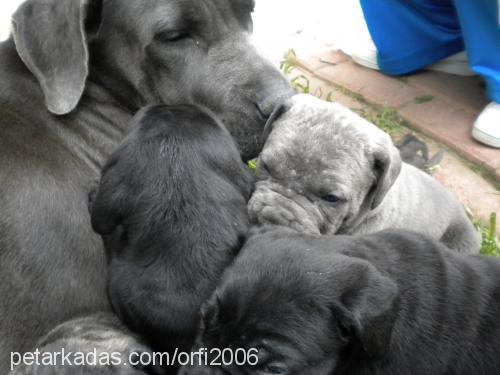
[[457, 64], [486, 129], [363, 52]]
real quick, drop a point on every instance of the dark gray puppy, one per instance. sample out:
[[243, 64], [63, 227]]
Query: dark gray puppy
[[326, 170], [100, 340], [392, 303], [71, 78], [171, 205]]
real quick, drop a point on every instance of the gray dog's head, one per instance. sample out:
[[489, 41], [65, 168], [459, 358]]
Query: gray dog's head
[[151, 52], [323, 168]]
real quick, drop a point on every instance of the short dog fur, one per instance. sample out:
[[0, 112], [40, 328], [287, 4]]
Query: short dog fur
[[72, 76], [171, 205], [99, 339], [326, 170], [392, 303]]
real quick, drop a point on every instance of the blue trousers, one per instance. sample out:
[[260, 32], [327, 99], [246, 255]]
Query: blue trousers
[[411, 34]]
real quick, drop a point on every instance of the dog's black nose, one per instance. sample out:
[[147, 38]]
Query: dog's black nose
[[269, 103]]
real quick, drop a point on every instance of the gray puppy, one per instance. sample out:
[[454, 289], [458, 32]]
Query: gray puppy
[[326, 170]]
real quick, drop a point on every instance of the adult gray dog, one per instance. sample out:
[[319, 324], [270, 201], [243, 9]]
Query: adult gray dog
[[325, 170], [71, 79], [392, 303]]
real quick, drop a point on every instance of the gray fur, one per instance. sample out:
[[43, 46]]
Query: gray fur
[[317, 149], [52, 266], [101, 337], [389, 303]]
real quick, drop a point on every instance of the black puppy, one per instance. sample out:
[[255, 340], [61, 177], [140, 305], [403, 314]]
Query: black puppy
[[171, 206], [392, 303]]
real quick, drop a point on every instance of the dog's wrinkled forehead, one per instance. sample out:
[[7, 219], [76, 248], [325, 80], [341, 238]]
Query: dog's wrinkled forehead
[[315, 132]]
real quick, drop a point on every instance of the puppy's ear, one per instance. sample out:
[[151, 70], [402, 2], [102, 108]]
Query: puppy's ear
[[51, 37], [386, 162], [277, 113], [363, 306]]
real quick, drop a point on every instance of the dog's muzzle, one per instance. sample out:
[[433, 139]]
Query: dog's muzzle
[[269, 205]]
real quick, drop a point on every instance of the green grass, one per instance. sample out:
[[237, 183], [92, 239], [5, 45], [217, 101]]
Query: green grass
[[252, 165], [288, 62], [301, 84], [387, 120], [489, 240], [423, 99], [403, 79]]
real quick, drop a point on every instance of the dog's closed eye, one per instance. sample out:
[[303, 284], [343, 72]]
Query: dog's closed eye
[[172, 36], [330, 198]]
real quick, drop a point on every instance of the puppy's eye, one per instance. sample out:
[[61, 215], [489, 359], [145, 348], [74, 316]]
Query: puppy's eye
[[172, 36], [330, 198]]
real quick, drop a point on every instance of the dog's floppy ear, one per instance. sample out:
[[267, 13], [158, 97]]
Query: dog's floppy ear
[[51, 38], [386, 167], [363, 306], [277, 113]]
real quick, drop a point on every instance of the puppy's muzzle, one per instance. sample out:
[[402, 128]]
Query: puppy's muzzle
[[269, 205]]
